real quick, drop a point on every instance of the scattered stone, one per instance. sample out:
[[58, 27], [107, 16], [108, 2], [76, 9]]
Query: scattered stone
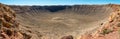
[[67, 37]]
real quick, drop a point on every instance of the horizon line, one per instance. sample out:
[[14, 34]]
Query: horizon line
[[57, 4]]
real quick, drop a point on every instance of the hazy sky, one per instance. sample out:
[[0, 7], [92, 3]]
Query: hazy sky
[[57, 2]]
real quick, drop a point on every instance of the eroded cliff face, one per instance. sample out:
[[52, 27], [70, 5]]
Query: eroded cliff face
[[111, 29], [9, 28]]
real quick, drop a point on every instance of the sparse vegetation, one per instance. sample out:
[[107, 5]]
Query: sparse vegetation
[[119, 31], [106, 31], [118, 24]]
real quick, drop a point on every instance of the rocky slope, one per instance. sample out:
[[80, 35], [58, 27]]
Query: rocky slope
[[111, 29], [9, 28]]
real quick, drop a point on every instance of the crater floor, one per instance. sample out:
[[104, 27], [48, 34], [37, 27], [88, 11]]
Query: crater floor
[[40, 22]]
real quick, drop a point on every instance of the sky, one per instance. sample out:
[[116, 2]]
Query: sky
[[57, 2]]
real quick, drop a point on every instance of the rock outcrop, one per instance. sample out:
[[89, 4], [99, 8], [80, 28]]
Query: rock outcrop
[[9, 27]]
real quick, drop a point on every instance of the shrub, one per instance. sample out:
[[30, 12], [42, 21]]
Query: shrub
[[106, 31], [119, 31], [118, 24]]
